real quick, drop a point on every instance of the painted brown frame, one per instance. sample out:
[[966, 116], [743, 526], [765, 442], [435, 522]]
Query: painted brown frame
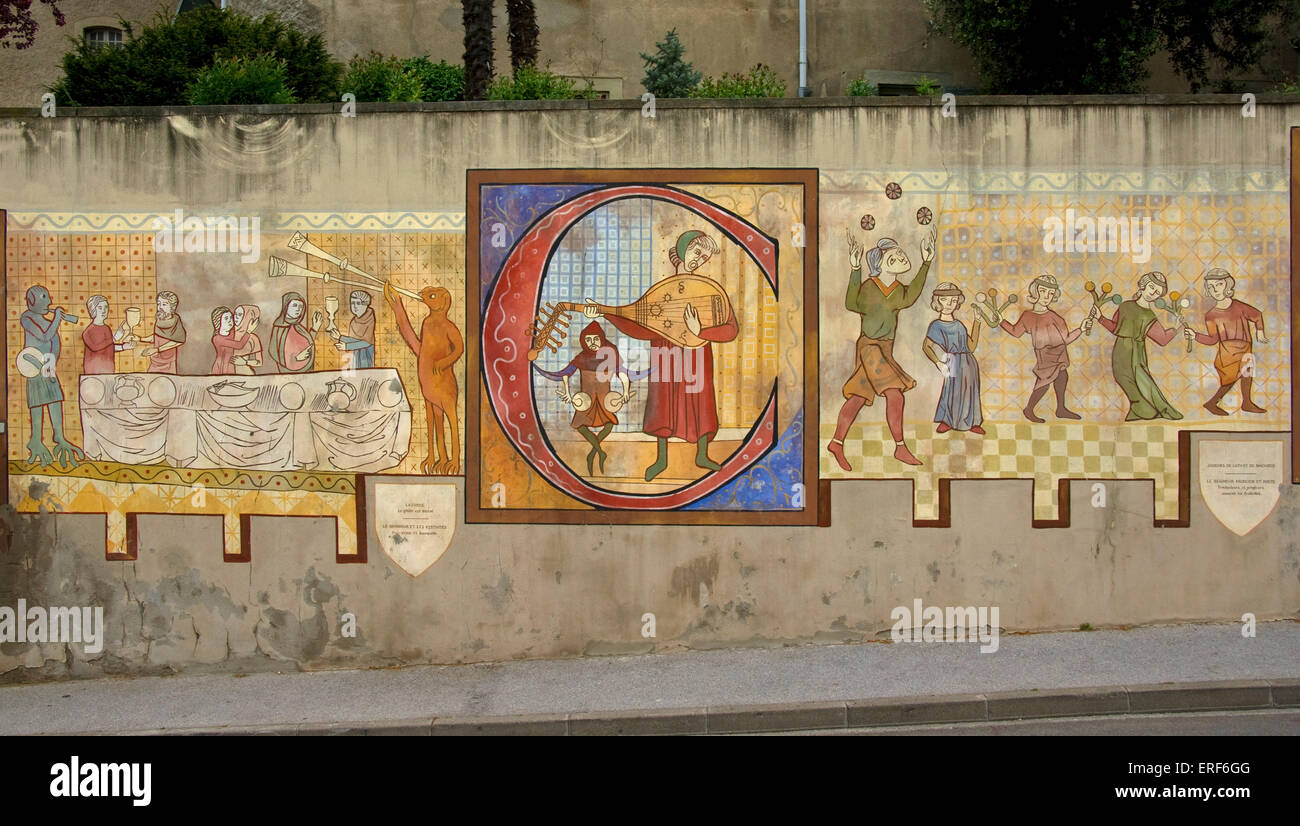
[[1295, 294], [1062, 520], [132, 544], [4, 386], [812, 513], [246, 532]]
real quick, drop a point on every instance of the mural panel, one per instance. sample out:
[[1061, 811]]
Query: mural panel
[[174, 363], [647, 346], [1048, 326], [642, 341]]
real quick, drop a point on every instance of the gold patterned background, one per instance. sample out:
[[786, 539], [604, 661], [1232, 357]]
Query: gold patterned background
[[73, 266], [995, 239], [122, 266]]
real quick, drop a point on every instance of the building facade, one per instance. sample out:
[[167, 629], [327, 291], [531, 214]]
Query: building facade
[[890, 42]]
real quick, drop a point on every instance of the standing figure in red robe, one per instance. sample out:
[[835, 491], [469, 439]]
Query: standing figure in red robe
[[1228, 328], [226, 341], [1049, 335], [680, 403], [100, 339]]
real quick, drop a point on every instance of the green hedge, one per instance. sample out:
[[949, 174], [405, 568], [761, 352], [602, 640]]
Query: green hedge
[[759, 82], [861, 87], [531, 83], [158, 66], [241, 80], [374, 77]]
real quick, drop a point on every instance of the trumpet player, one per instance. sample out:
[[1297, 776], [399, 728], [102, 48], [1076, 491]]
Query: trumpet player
[[43, 389]]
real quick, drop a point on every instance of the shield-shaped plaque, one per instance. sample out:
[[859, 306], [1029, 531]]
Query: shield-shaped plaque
[[1240, 480], [415, 522]]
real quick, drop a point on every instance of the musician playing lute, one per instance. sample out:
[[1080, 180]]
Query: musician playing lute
[[680, 402]]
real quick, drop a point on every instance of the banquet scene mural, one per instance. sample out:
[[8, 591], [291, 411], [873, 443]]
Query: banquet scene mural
[[650, 346]]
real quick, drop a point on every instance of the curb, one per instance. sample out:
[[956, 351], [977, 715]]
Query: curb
[[1230, 695]]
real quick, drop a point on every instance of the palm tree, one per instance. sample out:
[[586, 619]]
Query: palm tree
[[477, 16], [523, 33]]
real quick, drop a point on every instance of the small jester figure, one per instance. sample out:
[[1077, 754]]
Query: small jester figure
[[596, 364]]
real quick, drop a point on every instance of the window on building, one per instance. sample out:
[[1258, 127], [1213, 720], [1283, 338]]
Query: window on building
[[604, 88], [99, 36]]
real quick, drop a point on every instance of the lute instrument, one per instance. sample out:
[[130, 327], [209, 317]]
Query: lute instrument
[[661, 310]]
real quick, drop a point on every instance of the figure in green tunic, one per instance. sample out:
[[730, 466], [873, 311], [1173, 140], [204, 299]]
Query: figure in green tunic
[[1133, 323]]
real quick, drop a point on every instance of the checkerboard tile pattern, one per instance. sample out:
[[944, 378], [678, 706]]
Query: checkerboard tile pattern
[[73, 266], [1045, 453], [412, 260]]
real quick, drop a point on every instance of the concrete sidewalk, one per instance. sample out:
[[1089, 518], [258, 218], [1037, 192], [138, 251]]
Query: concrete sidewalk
[[1204, 667]]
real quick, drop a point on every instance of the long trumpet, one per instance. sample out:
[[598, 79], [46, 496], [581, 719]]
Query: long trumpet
[[299, 242], [280, 268]]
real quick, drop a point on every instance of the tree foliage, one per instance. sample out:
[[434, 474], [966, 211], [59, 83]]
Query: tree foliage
[[667, 74], [1051, 46], [529, 82], [1103, 46], [374, 77], [477, 18], [18, 26], [1209, 40], [523, 33], [241, 80], [158, 66]]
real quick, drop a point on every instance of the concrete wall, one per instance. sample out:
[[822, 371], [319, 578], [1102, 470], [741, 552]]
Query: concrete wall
[[503, 592]]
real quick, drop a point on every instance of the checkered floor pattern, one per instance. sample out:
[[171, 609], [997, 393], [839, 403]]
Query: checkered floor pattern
[[1045, 453]]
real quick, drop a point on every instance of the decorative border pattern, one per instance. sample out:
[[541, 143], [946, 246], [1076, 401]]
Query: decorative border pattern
[[1019, 182], [218, 478], [276, 222]]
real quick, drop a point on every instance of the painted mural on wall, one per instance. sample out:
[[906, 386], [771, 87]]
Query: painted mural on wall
[[176, 363], [652, 346], [641, 340], [1047, 326]]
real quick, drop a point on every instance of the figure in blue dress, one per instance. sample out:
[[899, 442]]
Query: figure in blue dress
[[948, 345]]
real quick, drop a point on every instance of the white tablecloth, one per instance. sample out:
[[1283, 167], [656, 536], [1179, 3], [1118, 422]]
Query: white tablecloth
[[357, 422]]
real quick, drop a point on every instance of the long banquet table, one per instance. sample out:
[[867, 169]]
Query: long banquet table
[[357, 421]]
